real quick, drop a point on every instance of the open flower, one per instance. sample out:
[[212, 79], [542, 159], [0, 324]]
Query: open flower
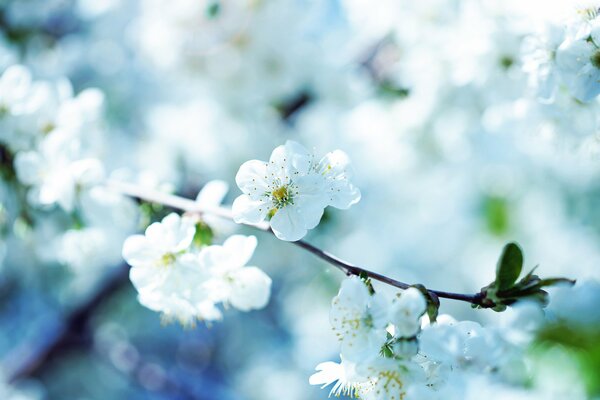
[[293, 190], [167, 277], [232, 282], [359, 320], [578, 60], [390, 379]]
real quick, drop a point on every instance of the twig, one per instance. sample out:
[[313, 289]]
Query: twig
[[191, 206]]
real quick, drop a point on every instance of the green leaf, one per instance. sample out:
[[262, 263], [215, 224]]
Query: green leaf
[[204, 235], [509, 266]]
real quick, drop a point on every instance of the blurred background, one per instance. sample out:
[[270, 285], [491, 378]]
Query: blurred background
[[453, 152]]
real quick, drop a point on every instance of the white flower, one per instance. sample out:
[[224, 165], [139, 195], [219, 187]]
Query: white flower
[[347, 381], [186, 284], [539, 61], [167, 277], [578, 60], [54, 173], [245, 288], [406, 311], [461, 344], [359, 320], [293, 190], [390, 379], [335, 168]]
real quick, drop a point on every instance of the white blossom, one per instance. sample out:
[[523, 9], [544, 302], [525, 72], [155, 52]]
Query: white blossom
[[292, 190], [359, 320], [167, 277], [406, 312], [578, 59], [232, 282]]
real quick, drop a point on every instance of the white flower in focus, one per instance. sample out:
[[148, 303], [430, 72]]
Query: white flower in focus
[[578, 60], [232, 282], [406, 312], [293, 190], [359, 320], [347, 381], [167, 277]]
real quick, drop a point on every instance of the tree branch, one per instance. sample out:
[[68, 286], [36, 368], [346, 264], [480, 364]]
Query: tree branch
[[349, 269]]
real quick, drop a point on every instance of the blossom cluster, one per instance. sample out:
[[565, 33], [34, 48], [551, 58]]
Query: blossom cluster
[[473, 123], [569, 54], [392, 350], [184, 279], [51, 187]]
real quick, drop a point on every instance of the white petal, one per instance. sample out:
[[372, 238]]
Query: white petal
[[310, 211], [251, 289], [248, 211], [239, 249], [29, 167], [252, 178], [288, 225], [213, 193], [292, 156], [329, 372], [138, 251]]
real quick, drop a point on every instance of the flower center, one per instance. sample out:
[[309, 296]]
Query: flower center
[[588, 13], [595, 59], [167, 259], [282, 197]]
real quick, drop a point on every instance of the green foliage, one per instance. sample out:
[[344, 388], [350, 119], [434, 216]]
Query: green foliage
[[213, 9], [581, 343], [496, 215], [509, 266], [150, 212], [507, 289], [204, 235], [391, 90]]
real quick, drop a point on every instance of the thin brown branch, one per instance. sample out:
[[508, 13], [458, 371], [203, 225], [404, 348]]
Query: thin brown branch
[[191, 206]]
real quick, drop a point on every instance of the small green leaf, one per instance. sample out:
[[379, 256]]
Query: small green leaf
[[509, 266], [204, 235]]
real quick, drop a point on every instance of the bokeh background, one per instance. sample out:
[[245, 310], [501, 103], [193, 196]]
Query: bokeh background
[[453, 153]]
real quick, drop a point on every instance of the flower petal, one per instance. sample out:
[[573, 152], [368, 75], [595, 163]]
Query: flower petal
[[248, 211], [288, 225]]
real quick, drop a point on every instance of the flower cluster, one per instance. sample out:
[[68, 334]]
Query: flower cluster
[[51, 142], [184, 279], [388, 352], [292, 189], [568, 54]]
